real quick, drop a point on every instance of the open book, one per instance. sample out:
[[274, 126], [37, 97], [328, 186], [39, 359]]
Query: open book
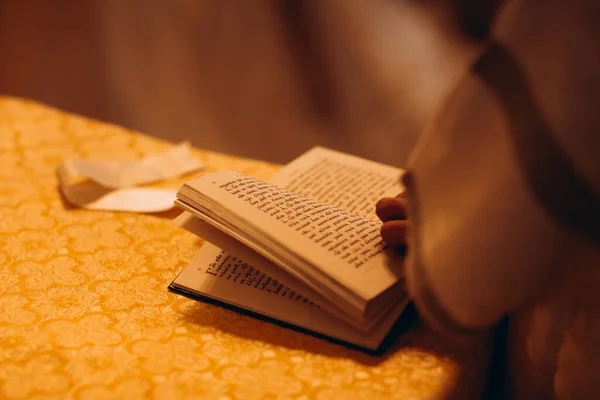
[[303, 249]]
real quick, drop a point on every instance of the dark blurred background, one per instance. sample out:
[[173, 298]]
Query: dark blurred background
[[265, 79]]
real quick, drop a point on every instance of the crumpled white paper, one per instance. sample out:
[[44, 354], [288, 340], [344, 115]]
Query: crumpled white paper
[[111, 185]]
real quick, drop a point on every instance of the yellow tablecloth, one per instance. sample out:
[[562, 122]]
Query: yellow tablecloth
[[84, 307]]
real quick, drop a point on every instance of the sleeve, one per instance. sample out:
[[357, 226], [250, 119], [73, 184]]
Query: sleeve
[[506, 180]]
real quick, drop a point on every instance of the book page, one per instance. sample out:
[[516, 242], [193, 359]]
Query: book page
[[342, 180], [228, 279], [353, 239]]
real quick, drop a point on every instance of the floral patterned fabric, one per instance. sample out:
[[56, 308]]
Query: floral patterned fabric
[[84, 307]]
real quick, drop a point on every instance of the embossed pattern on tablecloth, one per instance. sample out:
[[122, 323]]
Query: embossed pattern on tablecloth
[[84, 307]]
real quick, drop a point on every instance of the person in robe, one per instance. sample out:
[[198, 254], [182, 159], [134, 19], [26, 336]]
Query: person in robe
[[501, 213]]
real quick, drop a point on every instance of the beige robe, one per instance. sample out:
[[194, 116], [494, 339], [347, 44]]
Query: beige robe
[[504, 197]]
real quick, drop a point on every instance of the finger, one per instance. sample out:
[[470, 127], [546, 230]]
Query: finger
[[394, 233], [401, 195], [391, 208]]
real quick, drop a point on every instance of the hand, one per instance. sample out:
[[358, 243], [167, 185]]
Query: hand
[[392, 212]]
